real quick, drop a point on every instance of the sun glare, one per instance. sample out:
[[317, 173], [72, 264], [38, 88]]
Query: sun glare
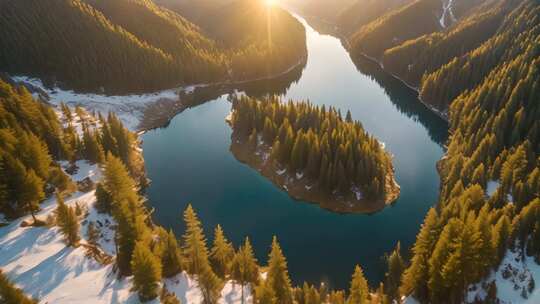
[[270, 2]]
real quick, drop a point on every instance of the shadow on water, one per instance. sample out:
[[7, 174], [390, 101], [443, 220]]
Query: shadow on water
[[405, 99], [275, 86]]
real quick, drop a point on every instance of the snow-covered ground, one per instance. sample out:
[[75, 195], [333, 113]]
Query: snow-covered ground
[[129, 108], [513, 279], [38, 260]]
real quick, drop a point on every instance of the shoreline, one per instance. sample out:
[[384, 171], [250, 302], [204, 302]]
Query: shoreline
[[303, 189], [170, 108], [347, 45]]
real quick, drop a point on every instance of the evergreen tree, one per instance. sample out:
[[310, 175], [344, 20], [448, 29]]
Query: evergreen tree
[[264, 294], [278, 275], [196, 253], [67, 221], [131, 229], [244, 269], [33, 192], [103, 199], [222, 253], [396, 266], [118, 183], [337, 297], [170, 254], [9, 294], [146, 272], [359, 292], [416, 276]]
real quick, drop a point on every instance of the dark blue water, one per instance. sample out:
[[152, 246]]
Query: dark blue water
[[189, 162]]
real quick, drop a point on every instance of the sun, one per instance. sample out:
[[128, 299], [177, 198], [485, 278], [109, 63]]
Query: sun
[[270, 2]]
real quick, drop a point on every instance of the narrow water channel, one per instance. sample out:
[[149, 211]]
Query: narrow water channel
[[189, 162]]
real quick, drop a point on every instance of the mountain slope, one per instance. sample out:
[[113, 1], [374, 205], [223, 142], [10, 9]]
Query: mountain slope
[[363, 12], [427, 53], [72, 42], [489, 204], [259, 39], [125, 46], [466, 72]]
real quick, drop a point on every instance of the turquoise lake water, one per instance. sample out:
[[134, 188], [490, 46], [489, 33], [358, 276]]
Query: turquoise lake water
[[189, 161]]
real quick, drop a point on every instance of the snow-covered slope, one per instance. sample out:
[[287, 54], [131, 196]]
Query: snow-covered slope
[[38, 261], [129, 108], [517, 280]]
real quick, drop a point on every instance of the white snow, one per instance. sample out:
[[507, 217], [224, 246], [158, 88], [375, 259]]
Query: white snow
[[85, 169], [129, 108], [357, 192], [512, 277]]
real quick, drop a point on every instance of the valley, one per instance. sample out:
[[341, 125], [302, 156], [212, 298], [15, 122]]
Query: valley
[[265, 152]]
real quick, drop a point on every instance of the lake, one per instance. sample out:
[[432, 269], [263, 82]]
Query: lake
[[189, 161]]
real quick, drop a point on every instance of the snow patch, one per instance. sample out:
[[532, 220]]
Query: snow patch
[[85, 170], [513, 279], [129, 108], [357, 193]]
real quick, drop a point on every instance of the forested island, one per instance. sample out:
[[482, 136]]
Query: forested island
[[313, 153]]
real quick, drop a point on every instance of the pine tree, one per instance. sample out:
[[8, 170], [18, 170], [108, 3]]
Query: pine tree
[[33, 192], [146, 272], [381, 297], [337, 297], [196, 253], [67, 221], [71, 227], [103, 199], [244, 269], [170, 254], [222, 253], [278, 275], [396, 266], [264, 294], [359, 291], [118, 183], [131, 229], [415, 278], [9, 294]]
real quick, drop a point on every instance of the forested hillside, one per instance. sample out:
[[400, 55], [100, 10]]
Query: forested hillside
[[34, 141], [395, 27], [362, 12], [489, 200], [72, 42], [423, 55], [122, 46], [519, 30], [409, 20], [259, 40]]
